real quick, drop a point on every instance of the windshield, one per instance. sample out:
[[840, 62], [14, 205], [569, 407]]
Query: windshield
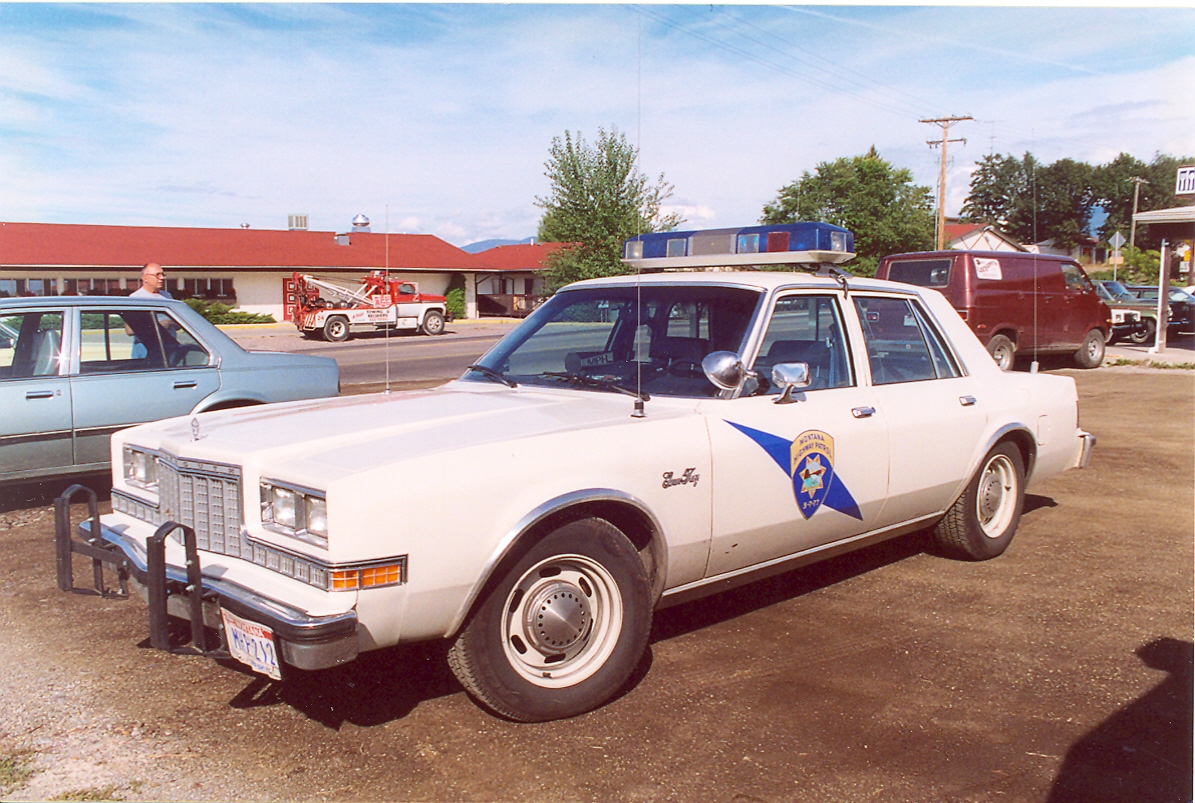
[[647, 340], [1118, 291]]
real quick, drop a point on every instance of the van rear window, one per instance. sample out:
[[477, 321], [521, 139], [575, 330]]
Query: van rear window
[[922, 272]]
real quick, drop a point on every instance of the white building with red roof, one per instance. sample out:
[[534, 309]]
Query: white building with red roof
[[247, 268]]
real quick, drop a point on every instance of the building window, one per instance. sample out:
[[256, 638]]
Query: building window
[[209, 289]]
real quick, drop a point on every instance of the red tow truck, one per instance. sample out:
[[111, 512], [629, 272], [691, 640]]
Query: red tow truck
[[331, 311]]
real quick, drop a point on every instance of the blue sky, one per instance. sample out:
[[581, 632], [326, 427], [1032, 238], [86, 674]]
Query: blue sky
[[438, 118]]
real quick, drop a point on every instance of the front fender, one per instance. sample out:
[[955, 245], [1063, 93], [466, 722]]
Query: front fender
[[526, 528]]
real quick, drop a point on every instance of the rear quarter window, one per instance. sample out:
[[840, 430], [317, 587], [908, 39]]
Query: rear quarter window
[[921, 272]]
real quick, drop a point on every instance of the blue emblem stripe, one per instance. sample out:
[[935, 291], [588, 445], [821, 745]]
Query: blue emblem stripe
[[833, 492]]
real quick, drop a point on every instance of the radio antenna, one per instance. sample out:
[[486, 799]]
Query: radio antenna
[[386, 328], [638, 410]]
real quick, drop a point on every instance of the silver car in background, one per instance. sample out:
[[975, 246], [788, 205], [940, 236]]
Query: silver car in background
[[75, 369]]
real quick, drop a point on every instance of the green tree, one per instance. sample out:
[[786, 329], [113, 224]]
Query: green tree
[[1113, 185], [865, 194], [598, 200], [1033, 202]]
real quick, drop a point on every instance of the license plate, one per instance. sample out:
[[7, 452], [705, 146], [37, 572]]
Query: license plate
[[251, 644]]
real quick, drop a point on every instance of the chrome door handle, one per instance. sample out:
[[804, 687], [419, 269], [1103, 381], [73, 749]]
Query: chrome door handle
[[863, 412], [185, 385], [966, 401], [40, 394]]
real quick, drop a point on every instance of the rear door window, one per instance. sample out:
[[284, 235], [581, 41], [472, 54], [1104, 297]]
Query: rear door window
[[902, 344], [921, 272]]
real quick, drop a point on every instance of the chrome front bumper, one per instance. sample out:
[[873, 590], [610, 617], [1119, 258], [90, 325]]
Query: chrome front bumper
[[305, 641]]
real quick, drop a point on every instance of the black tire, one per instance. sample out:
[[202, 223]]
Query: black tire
[[1091, 353], [1003, 351], [590, 581], [336, 328], [1145, 334], [433, 324], [981, 523]]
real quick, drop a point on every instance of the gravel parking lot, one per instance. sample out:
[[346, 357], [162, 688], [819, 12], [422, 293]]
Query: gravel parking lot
[[1061, 671]]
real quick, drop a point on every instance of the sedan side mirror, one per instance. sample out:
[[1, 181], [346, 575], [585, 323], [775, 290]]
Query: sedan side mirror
[[790, 376], [724, 369]]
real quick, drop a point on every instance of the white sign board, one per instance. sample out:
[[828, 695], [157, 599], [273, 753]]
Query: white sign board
[[988, 269], [1186, 181]]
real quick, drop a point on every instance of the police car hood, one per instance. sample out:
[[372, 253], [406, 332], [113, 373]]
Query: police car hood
[[322, 441]]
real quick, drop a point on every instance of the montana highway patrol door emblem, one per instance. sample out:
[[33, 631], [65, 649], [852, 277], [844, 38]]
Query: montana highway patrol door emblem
[[812, 469], [808, 460]]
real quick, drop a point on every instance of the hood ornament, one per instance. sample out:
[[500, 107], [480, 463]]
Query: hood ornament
[[195, 436]]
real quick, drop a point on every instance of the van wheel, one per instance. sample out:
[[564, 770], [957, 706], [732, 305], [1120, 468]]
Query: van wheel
[[1091, 353], [1145, 334], [1003, 351]]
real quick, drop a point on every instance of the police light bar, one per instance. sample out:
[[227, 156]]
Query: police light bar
[[784, 244]]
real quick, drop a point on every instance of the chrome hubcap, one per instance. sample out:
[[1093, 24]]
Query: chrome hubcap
[[556, 617], [995, 499]]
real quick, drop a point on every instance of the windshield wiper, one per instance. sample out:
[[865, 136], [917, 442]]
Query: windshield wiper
[[497, 376], [594, 382]]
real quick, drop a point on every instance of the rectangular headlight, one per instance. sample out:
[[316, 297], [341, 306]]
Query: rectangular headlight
[[140, 468], [301, 513]]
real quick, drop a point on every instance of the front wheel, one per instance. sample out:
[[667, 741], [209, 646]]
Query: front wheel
[[981, 523], [562, 630], [1003, 351], [433, 324], [1091, 353], [1144, 333]]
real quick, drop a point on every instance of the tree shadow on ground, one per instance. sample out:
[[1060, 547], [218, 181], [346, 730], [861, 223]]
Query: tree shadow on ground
[[1142, 753]]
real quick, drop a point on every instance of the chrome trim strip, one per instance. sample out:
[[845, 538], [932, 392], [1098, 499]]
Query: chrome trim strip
[[542, 512], [36, 436], [760, 571]]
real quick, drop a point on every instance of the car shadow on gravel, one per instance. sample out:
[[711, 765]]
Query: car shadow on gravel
[[44, 492], [378, 687]]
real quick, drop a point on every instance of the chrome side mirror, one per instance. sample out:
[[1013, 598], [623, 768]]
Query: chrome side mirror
[[724, 369], [790, 376]]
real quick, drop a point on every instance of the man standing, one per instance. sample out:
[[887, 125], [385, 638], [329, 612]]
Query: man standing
[[153, 282]]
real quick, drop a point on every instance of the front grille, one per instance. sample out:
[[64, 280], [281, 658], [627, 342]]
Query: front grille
[[207, 497]]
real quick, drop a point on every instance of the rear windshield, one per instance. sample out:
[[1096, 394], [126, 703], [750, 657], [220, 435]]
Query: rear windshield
[[922, 272]]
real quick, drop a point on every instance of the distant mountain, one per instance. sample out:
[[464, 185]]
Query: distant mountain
[[485, 245]]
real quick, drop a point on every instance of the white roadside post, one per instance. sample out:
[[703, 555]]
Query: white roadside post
[[1163, 303]]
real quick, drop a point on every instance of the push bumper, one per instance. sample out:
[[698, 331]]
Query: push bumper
[[305, 641]]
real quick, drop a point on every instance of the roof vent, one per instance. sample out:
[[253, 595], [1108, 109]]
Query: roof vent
[[296, 222], [342, 239], [360, 223]]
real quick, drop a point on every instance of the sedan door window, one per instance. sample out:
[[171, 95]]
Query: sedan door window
[[805, 329], [121, 340], [902, 344], [30, 344]]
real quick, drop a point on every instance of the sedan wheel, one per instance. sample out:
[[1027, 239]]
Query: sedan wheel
[[1145, 334], [563, 629], [981, 523]]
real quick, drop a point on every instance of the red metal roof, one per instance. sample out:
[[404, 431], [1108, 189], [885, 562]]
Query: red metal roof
[[70, 245]]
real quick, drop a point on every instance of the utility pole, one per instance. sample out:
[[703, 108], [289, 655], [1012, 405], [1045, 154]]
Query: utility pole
[[944, 124], [1137, 182]]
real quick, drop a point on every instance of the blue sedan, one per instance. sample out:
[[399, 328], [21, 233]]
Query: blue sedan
[[73, 370]]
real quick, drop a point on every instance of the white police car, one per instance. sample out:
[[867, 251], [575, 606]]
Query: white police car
[[636, 442]]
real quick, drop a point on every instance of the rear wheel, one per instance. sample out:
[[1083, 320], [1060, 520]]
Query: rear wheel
[[981, 523], [433, 324], [336, 329], [1003, 351], [1145, 333], [1091, 353], [563, 629]]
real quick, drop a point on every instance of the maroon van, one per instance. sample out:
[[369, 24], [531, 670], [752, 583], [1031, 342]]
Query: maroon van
[[1015, 302]]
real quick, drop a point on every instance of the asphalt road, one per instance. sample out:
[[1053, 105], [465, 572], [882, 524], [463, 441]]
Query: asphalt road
[[369, 359], [1061, 671]]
